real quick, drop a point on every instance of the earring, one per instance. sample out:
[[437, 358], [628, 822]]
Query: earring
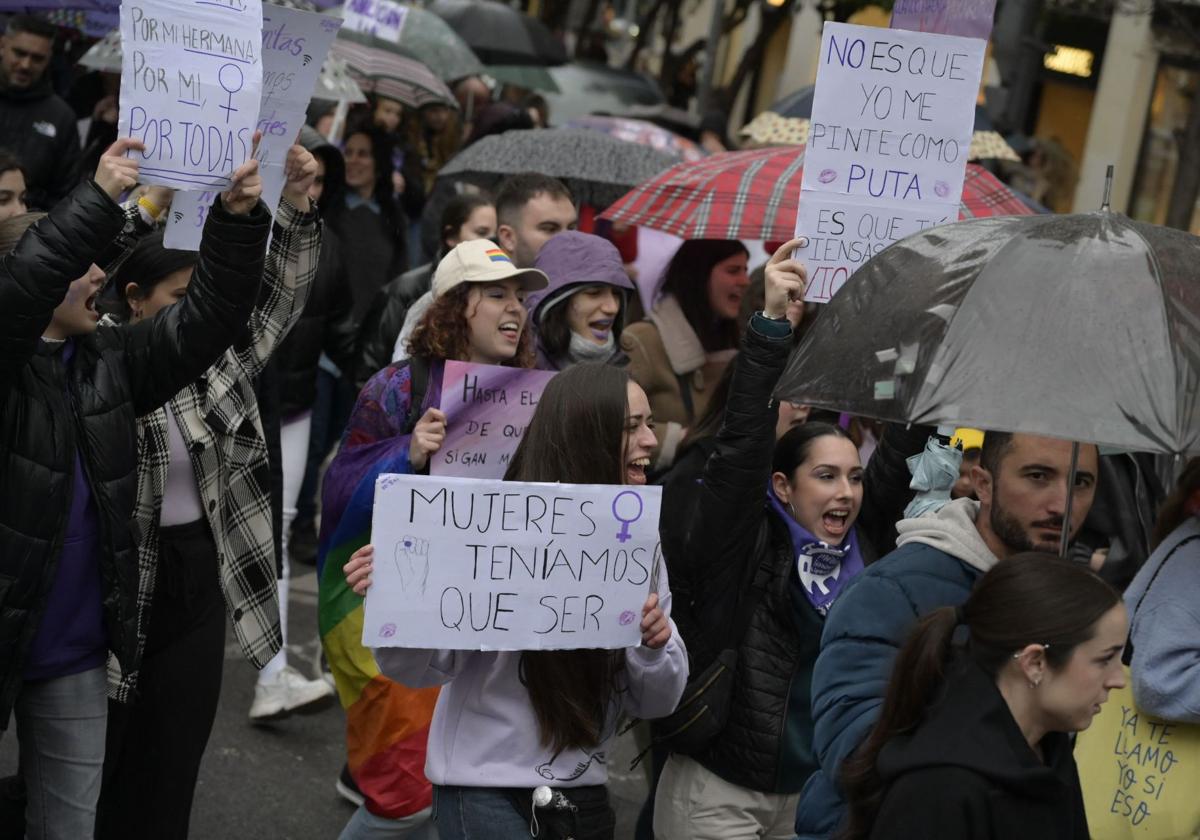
[[791, 510]]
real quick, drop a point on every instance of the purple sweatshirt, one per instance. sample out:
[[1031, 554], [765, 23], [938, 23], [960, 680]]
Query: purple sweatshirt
[[70, 637], [484, 731]]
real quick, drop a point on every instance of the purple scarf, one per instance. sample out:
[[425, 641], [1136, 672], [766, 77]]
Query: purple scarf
[[823, 569]]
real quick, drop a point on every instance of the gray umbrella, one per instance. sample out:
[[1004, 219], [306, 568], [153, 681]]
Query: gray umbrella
[[1082, 327], [598, 169]]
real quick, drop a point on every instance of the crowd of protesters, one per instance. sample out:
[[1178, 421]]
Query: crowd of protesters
[[179, 429]]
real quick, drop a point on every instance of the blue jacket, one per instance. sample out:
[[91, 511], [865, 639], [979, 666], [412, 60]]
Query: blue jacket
[[939, 559]]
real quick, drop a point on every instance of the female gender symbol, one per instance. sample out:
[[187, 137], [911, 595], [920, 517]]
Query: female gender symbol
[[228, 85], [623, 535]]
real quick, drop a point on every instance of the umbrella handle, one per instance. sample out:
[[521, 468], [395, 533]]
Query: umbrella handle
[[1066, 528], [339, 120]]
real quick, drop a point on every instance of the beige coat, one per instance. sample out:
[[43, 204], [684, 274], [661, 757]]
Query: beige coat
[[664, 352]]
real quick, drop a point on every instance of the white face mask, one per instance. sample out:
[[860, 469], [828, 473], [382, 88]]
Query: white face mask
[[584, 350]]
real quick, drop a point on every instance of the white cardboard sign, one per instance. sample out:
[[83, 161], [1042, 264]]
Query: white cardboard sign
[[479, 564], [844, 233], [893, 113], [191, 77], [294, 45]]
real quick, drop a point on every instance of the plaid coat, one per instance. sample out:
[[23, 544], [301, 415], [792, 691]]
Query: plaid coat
[[219, 420]]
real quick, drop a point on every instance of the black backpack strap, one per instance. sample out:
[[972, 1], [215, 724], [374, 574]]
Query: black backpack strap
[[418, 368]]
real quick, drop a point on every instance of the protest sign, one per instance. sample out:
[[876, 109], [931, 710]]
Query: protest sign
[[1138, 773], [488, 408], [191, 78], [294, 46], [473, 564], [968, 18], [893, 112], [844, 233], [381, 18]]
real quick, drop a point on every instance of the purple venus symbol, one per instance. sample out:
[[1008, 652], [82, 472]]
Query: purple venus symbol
[[623, 535], [627, 618]]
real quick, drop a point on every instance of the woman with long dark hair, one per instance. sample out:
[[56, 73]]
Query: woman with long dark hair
[[535, 716], [12, 186], [476, 316], [369, 224], [976, 744], [777, 531], [680, 351]]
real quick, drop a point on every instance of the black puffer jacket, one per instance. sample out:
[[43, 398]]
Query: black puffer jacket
[[767, 743], [326, 325], [384, 322], [116, 375], [39, 128]]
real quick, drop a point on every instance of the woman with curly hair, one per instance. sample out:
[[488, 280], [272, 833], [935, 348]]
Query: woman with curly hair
[[477, 315]]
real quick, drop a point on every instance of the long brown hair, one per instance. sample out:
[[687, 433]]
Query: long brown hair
[[14, 227], [1176, 508], [443, 332], [687, 278], [575, 438], [1030, 598]]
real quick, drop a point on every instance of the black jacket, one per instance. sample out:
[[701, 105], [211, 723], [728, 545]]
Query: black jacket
[[39, 128], [737, 538], [49, 411], [383, 323], [968, 773], [326, 325]]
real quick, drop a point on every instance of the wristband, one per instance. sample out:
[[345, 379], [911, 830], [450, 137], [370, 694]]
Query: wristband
[[150, 207]]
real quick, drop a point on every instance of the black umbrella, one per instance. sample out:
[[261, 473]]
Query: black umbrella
[[799, 105], [598, 168], [499, 34], [1082, 327]]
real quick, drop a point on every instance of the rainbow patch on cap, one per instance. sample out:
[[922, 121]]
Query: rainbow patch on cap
[[496, 255]]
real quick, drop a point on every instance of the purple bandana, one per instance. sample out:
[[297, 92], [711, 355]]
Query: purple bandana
[[823, 569]]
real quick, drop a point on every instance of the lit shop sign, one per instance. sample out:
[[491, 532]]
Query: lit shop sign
[[1071, 61]]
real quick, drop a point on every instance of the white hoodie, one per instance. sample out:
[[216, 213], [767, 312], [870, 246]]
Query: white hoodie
[[952, 530]]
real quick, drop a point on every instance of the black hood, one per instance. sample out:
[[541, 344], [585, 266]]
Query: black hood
[[971, 727], [41, 89]]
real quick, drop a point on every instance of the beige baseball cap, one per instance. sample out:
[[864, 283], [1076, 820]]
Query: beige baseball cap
[[482, 261]]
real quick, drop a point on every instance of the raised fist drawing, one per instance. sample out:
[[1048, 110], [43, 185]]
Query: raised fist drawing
[[412, 561]]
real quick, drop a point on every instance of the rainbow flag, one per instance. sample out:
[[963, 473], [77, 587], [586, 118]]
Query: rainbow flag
[[496, 255], [387, 724]]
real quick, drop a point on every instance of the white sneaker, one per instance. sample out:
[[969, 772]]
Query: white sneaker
[[288, 692]]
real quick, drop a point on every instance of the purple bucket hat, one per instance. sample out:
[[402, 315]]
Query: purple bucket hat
[[573, 259]]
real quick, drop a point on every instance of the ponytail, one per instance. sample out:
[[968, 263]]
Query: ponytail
[[923, 662], [1030, 598]]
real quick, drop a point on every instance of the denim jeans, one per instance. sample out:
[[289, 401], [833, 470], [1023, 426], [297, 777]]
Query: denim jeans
[[463, 813], [61, 726], [364, 825]]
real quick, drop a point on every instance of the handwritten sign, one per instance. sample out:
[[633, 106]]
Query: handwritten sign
[[844, 233], [488, 408], [969, 18], [381, 18], [294, 45], [471, 564], [893, 113], [191, 76]]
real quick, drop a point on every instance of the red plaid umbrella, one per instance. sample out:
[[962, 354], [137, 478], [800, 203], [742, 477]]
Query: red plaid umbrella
[[753, 195]]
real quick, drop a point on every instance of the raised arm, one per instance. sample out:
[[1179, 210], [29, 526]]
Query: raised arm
[[290, 267], [734, 486], [55, 251], [182, 341]]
